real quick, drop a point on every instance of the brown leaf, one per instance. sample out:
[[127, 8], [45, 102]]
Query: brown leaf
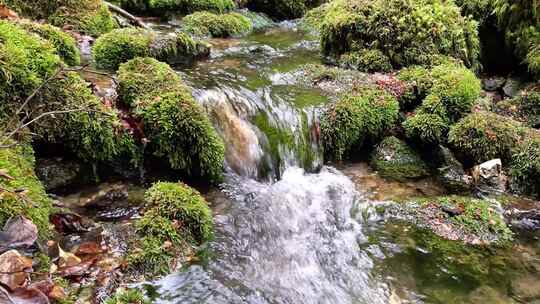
[[28, 296], [18, 232], [67, 259], [4, 174], [89, 248], [13, 267], [77, 270]]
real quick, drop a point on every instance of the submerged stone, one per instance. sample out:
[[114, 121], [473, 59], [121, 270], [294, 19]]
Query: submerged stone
[[394, 159]]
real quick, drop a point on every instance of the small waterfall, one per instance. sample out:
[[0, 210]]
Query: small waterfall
[[264, 134], [294, 241]]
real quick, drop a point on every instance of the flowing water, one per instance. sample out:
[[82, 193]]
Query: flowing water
[[288, 229]]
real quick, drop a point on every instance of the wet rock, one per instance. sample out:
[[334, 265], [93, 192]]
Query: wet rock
[[512, 87], [104, 195], [527, 288], [67, 223], [489, 177], [263, 49], [56, 172], [493, 83], [451, 172], [523, 215], [393, 159]]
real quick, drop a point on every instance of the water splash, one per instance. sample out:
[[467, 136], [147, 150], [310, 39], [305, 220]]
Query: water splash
[[294, 241]]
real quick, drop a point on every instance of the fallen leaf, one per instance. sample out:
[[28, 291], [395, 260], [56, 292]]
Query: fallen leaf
[[50, 289], [77, 270], [4, 174], [18, 232], [89, 248], [28, 296], [68, 223], [67, 259], [13, 267]]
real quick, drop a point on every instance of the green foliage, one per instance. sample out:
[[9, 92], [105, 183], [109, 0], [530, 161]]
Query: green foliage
[[355, 118], [407, 32], [35, 9], [429, 129], [32, 202], [417, 81], [119, 46], [64, 44], [525, 107], [282, 9], [393, 159], [175, 124], [311, 22], [366, 60], [210, 24], [525, 165], [92, 131], [130, 296], [25, 61], [483, 136], [177, 217], [154, 7]]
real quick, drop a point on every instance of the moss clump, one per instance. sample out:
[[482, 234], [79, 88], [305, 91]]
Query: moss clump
[[483, 136], [212, 25], [393, 159], [525, 107], [525, 165], [355, 118], [91, 17], [130, 296], [175, 124], [119, 46], [406, 32], [282, 9], [24, 194], [94, 133], [446, 92], [366, 60], [64, 44], [312, 20], [177, 217], [25, 61], [154, 7]]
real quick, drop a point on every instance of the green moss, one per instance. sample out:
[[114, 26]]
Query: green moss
[[130, 296], [366, 60], [407, 32], [417, 81], [282, 9], [212, 25], [177, 201], [525, 165], [91, 17], [24, 194], [393, 159], [36, 9], [525, 107], [160, 7], [177, 218], [175, 124], [94, 133], [429, 129], [25, 61], [355, 118], [119, 46], [483, 136], [64, 44], [312, 20], [217, 6]]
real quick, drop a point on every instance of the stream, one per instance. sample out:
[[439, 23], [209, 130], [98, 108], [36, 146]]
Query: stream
[[291, 230]]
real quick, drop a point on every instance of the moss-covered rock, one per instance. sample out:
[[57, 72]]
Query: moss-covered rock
[[366, 60], [355, 118], [130, 296], [25, 62], [525, 107], [311, 22], [175, 124], [153, 7], [211, 25], [176, 214], [525, 165], [23, 193], [91, 17], [282, 9], [64, 44], [446, 93], [394, 159], [483, 136], [119, 46], [406, 32], [89, 129]]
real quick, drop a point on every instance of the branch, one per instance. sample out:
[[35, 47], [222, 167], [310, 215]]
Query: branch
[[134, 20]]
